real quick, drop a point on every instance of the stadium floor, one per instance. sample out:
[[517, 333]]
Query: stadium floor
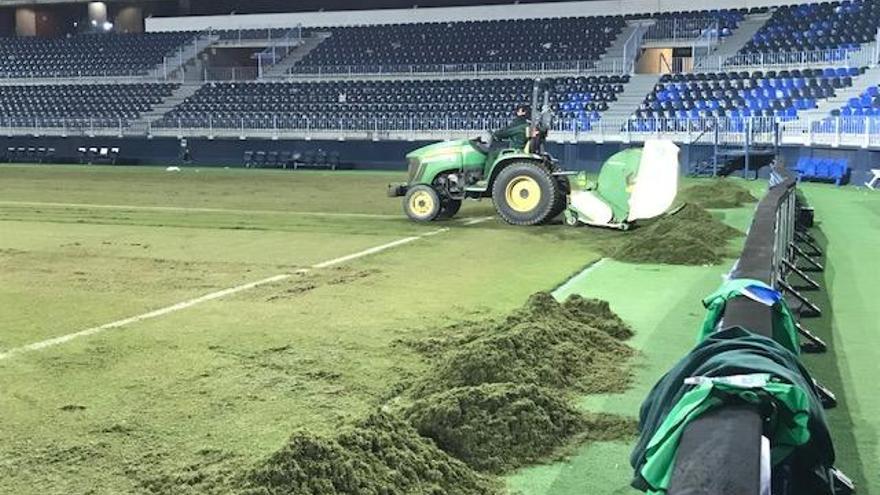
[[223, 383], [666, 313]]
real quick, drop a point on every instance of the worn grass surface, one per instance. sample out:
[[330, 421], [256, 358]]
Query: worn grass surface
[[225, 383]]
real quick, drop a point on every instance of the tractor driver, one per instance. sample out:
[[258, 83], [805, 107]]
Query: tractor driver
[[516, 132]]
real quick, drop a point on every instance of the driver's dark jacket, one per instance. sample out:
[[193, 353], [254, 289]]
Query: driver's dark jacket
[[514, 133]]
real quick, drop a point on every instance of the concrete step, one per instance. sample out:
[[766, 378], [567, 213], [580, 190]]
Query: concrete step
[[634, 93], [617, 47], [746, 30], [180, 94], [871, 77], [294, 57]]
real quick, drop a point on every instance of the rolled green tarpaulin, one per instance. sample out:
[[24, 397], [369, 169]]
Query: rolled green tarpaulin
[[791, 422], [784, 329], [672, 404], [616, 179]]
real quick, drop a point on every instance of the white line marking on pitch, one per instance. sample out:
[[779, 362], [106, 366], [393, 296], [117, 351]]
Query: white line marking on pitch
[[577, 278], [194, 209], [36, 346]]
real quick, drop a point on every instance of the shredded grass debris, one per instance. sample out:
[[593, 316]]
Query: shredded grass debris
[[717, 193], [690, 236], [381, 455], [542, 343]]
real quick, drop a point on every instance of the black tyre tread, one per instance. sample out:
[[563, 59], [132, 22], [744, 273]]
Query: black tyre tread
[[448, 208], [520, 166]]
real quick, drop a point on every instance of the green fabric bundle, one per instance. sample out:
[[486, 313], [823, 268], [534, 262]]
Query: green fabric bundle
[[797, 422], [784, 329]]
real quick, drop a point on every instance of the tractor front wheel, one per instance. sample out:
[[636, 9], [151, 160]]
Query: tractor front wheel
[[525, 193], [421, 203]]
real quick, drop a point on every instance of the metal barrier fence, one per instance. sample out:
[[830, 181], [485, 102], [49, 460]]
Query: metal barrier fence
[[725, 451], [857, 132], [611, 65], [863, 56], [682, 29]]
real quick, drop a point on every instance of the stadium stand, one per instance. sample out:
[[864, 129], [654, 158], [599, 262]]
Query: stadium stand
[[817, 26], [51, 105], [87, 55], [743, 94], [562, 39], [431, 104], [866, 104]]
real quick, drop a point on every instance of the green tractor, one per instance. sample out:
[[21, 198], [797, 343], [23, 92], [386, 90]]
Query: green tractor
[[527, 186]]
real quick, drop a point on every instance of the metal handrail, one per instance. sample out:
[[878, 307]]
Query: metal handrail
[[855, 132]]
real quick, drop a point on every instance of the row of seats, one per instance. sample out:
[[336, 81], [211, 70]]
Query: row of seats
[[87, 54], [53, 102], [817, 26], [268, 105], [742, 94], [866, 104], [291, 159], [822, 169], [472, 42], [29, 154]]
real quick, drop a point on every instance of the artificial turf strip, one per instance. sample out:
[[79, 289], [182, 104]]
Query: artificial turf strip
[[848, 221], [662, 304]]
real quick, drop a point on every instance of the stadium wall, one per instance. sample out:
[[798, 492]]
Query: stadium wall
[[375, 155], [441, 14]]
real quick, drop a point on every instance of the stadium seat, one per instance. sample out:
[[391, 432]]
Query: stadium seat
[[399, 104], [104, 54], [473, 42], [822, 169], [838, 26]]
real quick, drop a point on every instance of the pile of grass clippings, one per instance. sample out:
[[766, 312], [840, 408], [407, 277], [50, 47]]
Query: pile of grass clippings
[[381, 455], [496, 427], [495, 398], [691, 236], [716, 193], [543, 344]]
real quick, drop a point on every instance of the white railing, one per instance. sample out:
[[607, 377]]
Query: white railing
[[633, 47], [604, 66], [864, 56], [172, 66], [682, 30], [230, 74], [278, 49], [862, 132]]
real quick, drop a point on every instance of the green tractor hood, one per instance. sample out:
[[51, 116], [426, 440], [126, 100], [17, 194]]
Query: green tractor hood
[[427, 162], [424, 152]]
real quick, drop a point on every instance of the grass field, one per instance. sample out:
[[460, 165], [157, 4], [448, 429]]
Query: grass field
[[222, 383]]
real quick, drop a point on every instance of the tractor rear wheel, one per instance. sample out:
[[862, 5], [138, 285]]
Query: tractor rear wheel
[[421, 203], [448, 208], [525, 193]]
